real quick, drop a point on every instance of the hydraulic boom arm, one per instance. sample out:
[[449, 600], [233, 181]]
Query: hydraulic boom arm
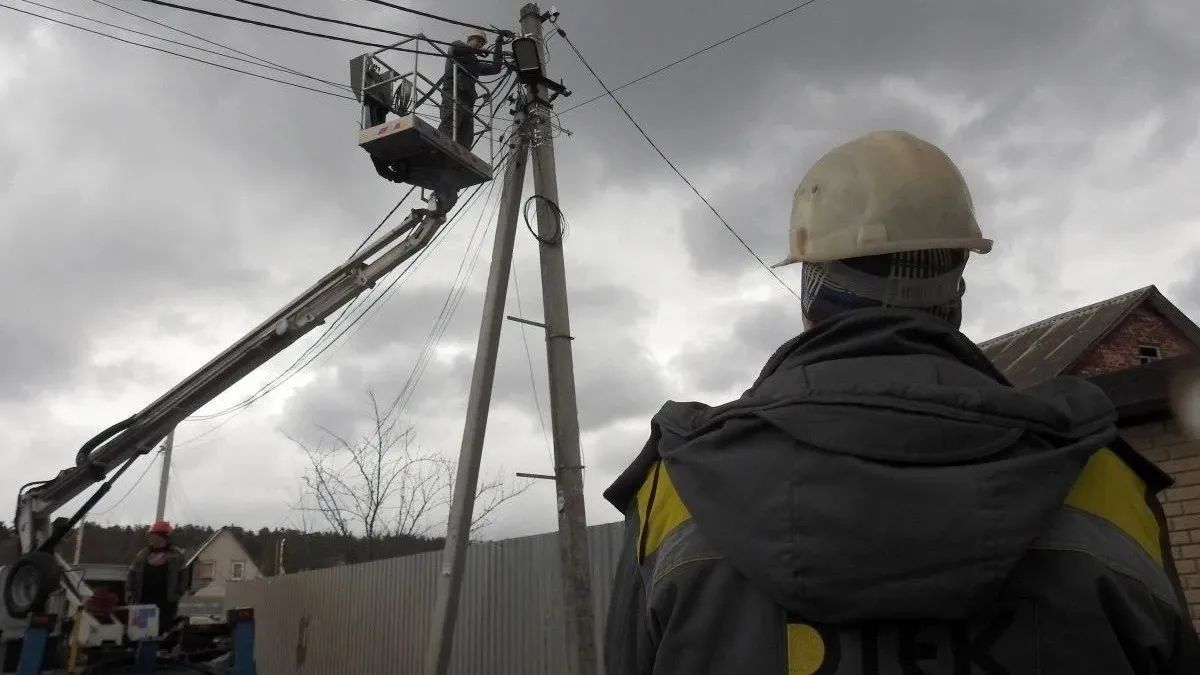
[[138, 434]]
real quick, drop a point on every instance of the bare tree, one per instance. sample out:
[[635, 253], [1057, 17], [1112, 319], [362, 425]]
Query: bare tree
[[384, 484]]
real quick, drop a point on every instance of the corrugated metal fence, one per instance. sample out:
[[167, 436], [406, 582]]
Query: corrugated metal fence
[[373, 618]]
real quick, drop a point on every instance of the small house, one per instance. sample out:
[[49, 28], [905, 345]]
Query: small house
[[1145, 354], [218, 561]]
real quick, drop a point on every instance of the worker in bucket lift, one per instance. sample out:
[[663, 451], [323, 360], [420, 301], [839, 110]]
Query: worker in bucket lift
[[464, 56], [158, 575], [881, 500]]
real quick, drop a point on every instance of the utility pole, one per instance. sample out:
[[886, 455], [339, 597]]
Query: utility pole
[[458, 531], [79, 542], [166, 475], [564, 412]]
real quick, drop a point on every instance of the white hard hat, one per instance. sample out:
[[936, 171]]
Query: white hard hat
[[475, 32], [886, 192]]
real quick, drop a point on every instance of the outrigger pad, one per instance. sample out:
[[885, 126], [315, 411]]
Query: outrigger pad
[[422, 156]]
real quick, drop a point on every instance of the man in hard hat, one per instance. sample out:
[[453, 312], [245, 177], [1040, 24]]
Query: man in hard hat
[[463, 69], [881, 500], [158, 575]]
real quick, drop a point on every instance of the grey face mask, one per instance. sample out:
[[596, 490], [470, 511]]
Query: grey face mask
[[930, 281]]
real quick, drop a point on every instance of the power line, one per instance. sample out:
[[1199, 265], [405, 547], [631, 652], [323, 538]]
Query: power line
[[288, 372], [174, 42], [179, 490], [427, 15], [454, 299], [280, 380], [339, 22], [265, 62], [442, 321], [167, 51], [308, 356], [698, 52], [381, 223], [289, 29], [674, 168], [213, 42], [133, 487], [537, 401]]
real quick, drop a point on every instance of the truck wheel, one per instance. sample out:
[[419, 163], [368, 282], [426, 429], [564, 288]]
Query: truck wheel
[[29, 583]]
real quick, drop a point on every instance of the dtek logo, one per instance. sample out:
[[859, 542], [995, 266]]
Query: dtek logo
[[1001, 644]]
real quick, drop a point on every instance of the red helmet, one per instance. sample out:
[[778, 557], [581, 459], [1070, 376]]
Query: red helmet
[[160, 527]]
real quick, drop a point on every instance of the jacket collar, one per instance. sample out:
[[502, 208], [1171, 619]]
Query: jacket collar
[[878, 332]]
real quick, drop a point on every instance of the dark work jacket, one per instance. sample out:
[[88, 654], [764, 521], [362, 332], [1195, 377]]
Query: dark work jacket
[[882, 502], [470, 67], [176, 576]]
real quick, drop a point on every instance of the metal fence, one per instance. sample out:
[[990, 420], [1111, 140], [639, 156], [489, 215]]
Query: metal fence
[[373, 618]]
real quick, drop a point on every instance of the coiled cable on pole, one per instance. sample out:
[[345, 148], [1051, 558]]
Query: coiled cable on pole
[[559, 218]]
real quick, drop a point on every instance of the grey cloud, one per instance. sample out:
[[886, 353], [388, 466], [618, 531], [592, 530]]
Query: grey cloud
[[977, 48], [732, 363], [192, 200], [1186, 293]]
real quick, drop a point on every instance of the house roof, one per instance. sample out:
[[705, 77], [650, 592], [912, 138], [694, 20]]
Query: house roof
[[208, 542], [1050, 347]]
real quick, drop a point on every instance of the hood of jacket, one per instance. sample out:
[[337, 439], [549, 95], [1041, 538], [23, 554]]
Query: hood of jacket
[[880, 468]]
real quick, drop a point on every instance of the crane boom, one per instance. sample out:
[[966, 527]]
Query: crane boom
[[140, 433]]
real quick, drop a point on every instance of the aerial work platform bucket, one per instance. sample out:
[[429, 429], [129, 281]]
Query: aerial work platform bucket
[[403, 145], [423, 155]]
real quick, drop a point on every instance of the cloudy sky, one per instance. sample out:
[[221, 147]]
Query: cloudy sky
[[153, 209]]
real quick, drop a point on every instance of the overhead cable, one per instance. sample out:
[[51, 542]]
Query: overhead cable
[[181, 44], [182, 56], [286, 373], [133, 487], [381, 223], [675, 168], [537, 400], [397, 280], [289, 29], [308, 357], [438, 329], [453, 299], [698, 52], [560, 220], [427, 15], [235, 50], [339, 22]]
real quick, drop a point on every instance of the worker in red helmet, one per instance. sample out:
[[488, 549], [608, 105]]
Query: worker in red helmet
[[157, 575]]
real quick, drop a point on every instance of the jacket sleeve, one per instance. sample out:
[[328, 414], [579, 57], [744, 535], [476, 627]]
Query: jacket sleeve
[[497, 64], [627, 647], [468, 59], [181, 578], [133, 580]]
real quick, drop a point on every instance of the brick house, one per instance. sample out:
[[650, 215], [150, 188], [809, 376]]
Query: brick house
[[1145, 354]]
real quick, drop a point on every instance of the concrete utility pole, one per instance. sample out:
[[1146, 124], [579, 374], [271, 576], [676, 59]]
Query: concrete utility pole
[[166, 475], [79, 542], [462, 508], [564, 412]]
